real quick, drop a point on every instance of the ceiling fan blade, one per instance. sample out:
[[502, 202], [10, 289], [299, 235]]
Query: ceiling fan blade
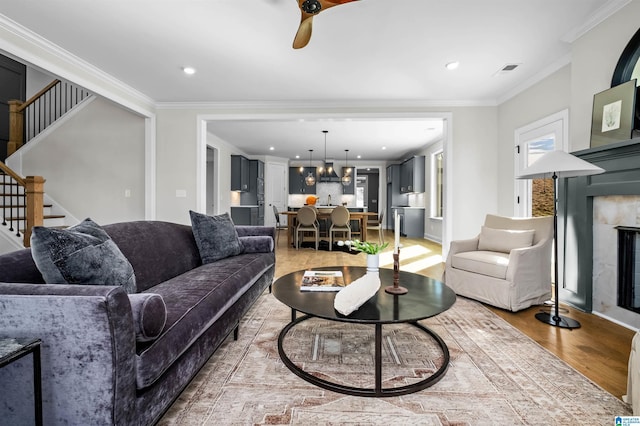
[[308, 9], [304, 32]]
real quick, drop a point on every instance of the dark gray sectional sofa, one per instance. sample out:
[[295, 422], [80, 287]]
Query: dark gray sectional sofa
[[96, 368]]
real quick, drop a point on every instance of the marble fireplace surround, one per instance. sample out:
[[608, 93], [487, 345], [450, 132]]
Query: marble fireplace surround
[[589, 209]]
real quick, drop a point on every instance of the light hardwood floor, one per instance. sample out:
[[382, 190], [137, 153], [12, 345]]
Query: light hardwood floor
[[599, 349]]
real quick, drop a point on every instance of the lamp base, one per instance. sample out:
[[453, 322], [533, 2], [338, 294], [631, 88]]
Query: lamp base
[[396, 290], [557, 321]]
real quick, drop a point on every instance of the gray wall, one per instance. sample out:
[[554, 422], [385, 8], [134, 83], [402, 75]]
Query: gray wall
[[90, 160]]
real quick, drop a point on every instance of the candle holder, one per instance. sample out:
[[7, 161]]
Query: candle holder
[[396, 288]]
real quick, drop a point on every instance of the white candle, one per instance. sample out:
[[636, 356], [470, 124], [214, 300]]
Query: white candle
[[396, 232]]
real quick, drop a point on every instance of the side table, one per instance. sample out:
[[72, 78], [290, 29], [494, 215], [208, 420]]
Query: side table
[[13, 349]]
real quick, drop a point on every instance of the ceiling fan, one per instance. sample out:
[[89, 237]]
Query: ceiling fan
[[309, 8]]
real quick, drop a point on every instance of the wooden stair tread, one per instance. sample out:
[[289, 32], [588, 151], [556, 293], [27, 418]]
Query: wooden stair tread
[[47, 216]]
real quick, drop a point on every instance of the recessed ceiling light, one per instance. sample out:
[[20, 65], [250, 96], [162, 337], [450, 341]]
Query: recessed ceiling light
[[452, 65], [189, 70], [358, 156], [271, 148], [297, 156], [384, 147]]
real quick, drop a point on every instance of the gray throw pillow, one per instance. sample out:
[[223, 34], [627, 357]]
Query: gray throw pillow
[[216, 236], [81, 254]]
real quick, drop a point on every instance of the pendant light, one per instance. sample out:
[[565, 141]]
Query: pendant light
[[346, 175], [310, 180]]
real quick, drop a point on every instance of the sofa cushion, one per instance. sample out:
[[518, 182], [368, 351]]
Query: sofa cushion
[[149, 315], [504, 240], [158, 251], [216, 236], [195, 300], [81, 254], [491, 263]]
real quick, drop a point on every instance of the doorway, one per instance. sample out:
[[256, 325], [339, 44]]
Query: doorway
[[534, 197], [211, 187], [368, 188], [13, 85]]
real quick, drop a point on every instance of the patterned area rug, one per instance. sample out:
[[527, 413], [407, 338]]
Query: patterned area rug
[[497, 376]]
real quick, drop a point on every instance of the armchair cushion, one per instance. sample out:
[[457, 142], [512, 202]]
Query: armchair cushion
[[504, 240], [81, 254], [491, 263]]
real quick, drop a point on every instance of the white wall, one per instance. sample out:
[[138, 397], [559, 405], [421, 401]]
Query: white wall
[[90, 160], [549, 96], [594, 58], [432, 226]]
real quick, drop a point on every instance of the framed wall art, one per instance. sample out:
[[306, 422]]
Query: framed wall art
[[613, 114]]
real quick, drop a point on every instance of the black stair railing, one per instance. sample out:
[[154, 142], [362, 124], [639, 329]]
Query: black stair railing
[[29, 119], [14, 200]]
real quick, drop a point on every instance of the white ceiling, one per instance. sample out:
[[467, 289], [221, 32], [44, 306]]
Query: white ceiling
[[368, 52]]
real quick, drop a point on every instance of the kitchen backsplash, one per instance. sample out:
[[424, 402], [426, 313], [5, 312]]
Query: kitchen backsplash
[[323, 190]]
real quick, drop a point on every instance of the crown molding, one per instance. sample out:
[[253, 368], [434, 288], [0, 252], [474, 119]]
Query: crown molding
[[333, 105], [537, 78], [600, 15], [25, 45]]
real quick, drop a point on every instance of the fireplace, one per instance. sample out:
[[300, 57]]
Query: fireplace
[[590, 209], [629, 268]]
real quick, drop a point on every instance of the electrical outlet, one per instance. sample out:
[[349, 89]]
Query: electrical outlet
[[127, 193]]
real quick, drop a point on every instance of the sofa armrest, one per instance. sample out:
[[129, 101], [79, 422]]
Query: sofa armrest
[[87, 353], [252, 231]]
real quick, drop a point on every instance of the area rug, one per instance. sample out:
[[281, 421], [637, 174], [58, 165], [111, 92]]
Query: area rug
[[496, 376]]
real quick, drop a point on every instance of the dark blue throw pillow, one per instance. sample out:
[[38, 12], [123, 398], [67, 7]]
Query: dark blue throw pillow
[[81, 254], [216, 236]]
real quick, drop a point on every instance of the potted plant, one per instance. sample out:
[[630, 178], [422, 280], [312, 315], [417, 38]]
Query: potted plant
[[373, 253]]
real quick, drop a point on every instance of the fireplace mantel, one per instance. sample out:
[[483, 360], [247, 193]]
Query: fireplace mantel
[[621, 162]]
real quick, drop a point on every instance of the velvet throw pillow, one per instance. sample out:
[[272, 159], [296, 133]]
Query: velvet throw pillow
[[216, 236], [504, 240], [81, 254]]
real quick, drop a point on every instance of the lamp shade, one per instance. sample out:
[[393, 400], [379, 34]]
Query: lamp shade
[[560, 163]]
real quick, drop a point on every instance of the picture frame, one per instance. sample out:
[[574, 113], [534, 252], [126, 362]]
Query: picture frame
[[613, 114]]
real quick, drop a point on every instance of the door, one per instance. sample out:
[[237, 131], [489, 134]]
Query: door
[[13, 76], [534, 197], [275, 192]]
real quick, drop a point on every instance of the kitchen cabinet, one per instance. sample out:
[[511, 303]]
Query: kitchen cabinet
[[245, 215], [394, 197], [239, 173], [296, 180], [255, 193], [412, 175], [411, 221]]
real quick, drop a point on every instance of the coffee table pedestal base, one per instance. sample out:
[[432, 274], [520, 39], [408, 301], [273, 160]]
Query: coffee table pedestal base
[[378, 391]]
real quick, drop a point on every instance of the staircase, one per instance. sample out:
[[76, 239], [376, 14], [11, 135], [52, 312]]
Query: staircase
[[22, 206], [22, 199]]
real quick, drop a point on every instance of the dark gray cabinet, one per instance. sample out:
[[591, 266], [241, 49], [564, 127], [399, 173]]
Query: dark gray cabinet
[[254, 196], [239, 173], [411, 222], [394, 197], [242, 215], [296, 180], [412, 175]]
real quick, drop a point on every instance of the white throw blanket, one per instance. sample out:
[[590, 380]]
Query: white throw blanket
[[355, 294]]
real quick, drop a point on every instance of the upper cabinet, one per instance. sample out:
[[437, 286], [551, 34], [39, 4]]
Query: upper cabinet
[[239, 173], [296, 180], [412, 175]]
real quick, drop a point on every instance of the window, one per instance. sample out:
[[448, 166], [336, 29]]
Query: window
[[437, 184], [535, 197]]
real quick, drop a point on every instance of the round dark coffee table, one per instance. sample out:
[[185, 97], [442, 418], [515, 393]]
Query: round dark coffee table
[[426, 298]]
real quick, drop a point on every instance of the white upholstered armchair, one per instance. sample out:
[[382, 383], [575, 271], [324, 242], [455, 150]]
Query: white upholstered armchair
[[508, 265]]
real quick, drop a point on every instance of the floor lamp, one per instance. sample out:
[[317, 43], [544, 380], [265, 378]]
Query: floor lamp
[[558, 164]]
